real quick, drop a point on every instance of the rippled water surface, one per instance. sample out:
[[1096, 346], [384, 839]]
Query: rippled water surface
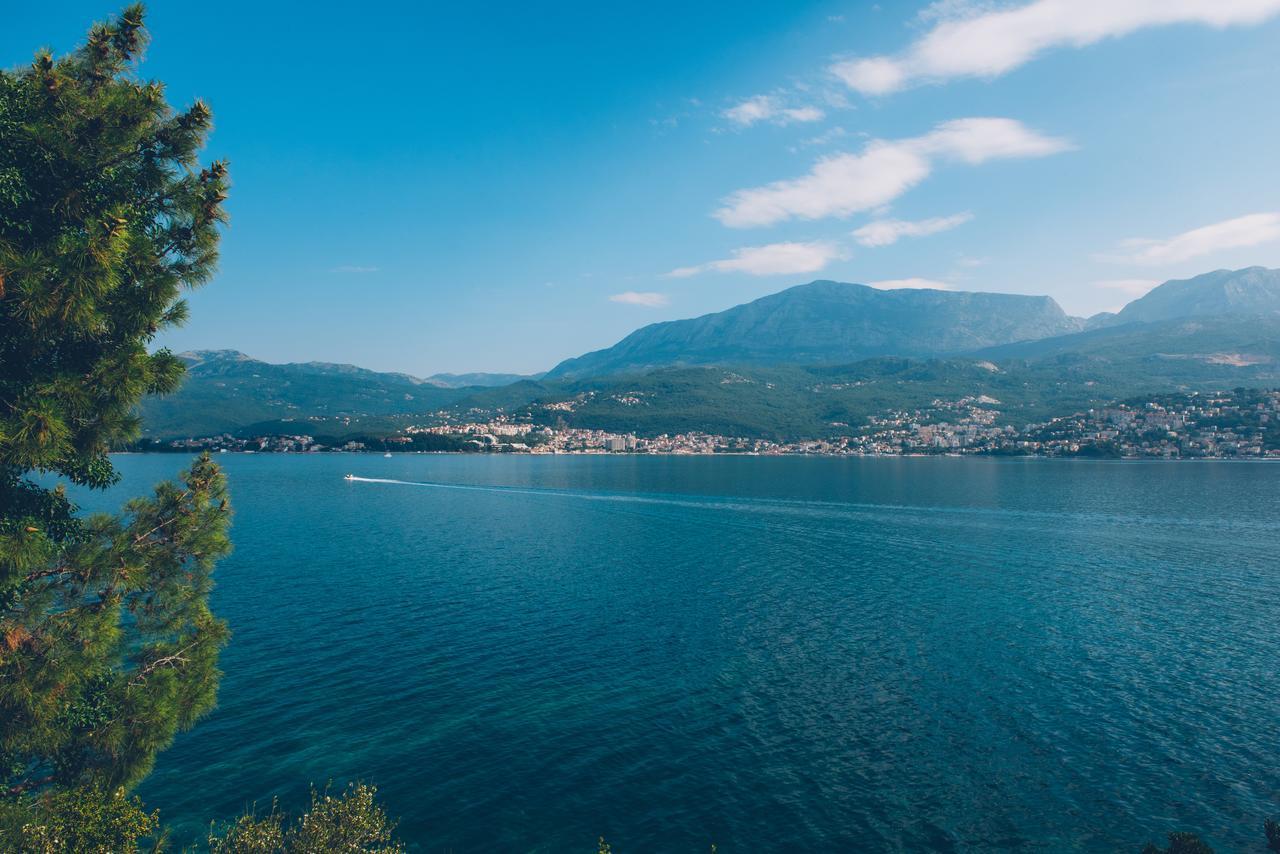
[[771, 654]]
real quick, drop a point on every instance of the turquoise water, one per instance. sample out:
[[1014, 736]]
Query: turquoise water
[[772, 654]]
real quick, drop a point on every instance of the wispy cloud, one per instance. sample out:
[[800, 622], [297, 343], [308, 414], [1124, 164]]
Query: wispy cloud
[[825, 138], [1131, 287], [914, 283], [772, 260], [884, 232], [946, 10], [1241, 232], [648, 299], [973, 40], [770, 108], [352, 268], [843, 184]]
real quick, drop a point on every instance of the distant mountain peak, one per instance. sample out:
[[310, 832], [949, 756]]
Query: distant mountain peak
[[212, 359], [485, 380], [214, 355], [1252, 291]]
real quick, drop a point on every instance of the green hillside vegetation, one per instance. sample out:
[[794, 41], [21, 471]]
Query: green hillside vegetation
[[1250, 342], [798, 402], [225, 391], [1032, 381]]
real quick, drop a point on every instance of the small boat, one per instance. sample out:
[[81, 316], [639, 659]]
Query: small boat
[[387, 455], [349, 477]]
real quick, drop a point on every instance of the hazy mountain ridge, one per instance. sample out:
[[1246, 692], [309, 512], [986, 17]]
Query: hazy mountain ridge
[[1218, 339], [827, 322], [482, 380], [225, 390], [443, 380], [1221, 293], [222, 360]]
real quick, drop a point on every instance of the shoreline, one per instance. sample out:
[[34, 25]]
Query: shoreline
[[1001, 457]]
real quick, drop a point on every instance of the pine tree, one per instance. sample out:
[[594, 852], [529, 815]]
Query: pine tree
[[107, 644]]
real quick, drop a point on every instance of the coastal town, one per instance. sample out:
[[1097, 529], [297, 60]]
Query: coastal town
[[1235, 424]]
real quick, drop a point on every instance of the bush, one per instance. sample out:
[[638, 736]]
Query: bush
[[350, 822]]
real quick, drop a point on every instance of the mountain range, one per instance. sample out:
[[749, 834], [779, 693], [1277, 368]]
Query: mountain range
[[831, 323], [754, 368]]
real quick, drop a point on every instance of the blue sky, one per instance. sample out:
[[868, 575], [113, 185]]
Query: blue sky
[[456, 187]]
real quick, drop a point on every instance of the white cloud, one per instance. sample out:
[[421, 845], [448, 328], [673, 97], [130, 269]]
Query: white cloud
[[884, 232], [352, 268], [836, 186], [1132, 287], [978, 140], [914, 283], [750, 111], [945, 10], [772, 260], [843, 184], [648, 299], [1244, 231], [803, 114], [974, 40], [770, 108]]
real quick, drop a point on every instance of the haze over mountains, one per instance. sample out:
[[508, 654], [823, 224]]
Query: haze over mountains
[[830, 323], [478, 379], [813, 355], [833, 323], [1222, 293]]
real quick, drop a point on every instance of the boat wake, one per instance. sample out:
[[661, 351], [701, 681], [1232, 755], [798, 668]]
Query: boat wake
[[966, 515], [511, 490]]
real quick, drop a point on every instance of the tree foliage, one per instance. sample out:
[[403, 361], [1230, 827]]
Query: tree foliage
[[349, 822], [104, 218], [107, 644], [79, 820]]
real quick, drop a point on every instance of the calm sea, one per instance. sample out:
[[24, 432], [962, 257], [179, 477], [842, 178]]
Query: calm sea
[[788, 654]]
